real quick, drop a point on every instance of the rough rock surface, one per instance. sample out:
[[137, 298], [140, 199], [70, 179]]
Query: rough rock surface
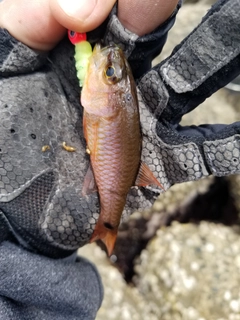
[[192, 272], [121, 302], [187, 272]]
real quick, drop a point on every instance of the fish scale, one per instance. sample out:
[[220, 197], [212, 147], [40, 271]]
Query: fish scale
[[115, 164]]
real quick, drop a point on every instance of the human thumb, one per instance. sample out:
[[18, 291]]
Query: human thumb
[[81, 15], [41, 24]]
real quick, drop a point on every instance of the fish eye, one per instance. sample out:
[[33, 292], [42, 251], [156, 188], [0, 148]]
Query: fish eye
[[110, 71], [72, 33]]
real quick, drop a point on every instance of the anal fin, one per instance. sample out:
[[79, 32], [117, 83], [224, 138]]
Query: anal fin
[[89, 184], [145, 177]]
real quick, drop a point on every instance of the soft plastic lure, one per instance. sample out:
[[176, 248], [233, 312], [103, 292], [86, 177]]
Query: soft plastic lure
[[83, 52]]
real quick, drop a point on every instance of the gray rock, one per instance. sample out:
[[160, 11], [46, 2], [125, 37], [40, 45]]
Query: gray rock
[[121, 302], [192, 272]]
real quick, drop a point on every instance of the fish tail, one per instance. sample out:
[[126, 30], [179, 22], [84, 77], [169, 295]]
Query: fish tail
[[106, 235]]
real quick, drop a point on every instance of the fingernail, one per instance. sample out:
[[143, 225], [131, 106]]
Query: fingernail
[[79, 9]]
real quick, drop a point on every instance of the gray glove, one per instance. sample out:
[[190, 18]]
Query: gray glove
[[40, 200], [41, 203], [205, 61], [40, 190]]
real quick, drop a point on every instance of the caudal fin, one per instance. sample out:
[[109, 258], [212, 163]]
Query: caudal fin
[[107, 236]]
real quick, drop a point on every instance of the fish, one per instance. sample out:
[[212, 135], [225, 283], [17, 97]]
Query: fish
[[111, 124]]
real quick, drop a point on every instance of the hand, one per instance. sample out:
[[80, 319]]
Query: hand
[[204, 62], [42, 24], [41, 206], [41, 180]]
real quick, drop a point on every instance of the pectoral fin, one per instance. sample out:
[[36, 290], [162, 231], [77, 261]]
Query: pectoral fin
[[89, 184], [145, 177]]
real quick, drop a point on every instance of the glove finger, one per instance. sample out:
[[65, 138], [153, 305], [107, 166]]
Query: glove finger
[[177, 154]]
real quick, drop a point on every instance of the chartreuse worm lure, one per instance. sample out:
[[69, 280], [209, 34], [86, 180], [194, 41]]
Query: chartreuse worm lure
[[83, 52]]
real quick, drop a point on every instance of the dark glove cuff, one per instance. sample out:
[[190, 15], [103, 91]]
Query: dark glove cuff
[[36, 287], [17, 58]]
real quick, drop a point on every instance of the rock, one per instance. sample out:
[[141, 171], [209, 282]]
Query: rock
[[169, 201], [121, 302], [191, 272], [205, 201]]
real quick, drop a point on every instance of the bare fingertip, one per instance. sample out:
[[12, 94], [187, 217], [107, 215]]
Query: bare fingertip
[[81, 15]]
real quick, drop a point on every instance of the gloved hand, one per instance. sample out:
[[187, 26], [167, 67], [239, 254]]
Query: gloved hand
[[41, 205], [41, 182], [205, 61], [168, 91]]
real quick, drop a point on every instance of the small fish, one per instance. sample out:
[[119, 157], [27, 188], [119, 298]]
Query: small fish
[[113, 135]]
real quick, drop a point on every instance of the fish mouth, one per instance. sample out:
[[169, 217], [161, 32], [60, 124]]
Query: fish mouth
[[113, 53], [110, 56], [99, 47], [108, 53]]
